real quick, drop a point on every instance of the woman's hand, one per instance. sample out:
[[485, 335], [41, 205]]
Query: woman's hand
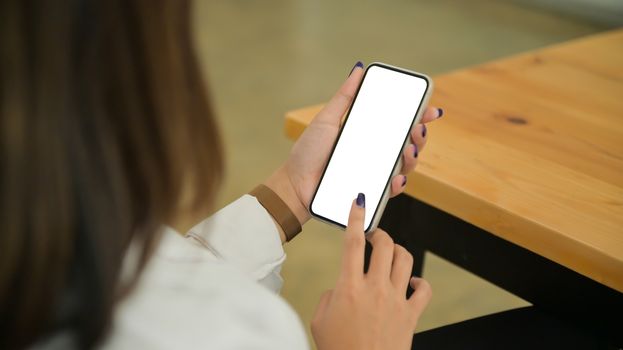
[[297, 179], [370, 311]]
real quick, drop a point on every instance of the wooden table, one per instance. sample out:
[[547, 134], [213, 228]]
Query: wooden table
[[522, 180]]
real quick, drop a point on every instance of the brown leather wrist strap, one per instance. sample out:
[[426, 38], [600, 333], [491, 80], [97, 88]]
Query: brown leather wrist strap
[[279, 210]]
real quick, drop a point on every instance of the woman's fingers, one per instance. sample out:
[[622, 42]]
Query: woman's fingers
[[402, 267], [430, 114], [419, 135], [420, 297], [409, 161], [354, 240], [398, 184], [410, 158], [382, 255], [335, 109]]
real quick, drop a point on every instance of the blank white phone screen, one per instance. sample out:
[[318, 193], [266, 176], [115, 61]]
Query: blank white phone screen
[[370, 143]]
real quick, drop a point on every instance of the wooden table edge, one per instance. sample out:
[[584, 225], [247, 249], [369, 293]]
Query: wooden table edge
[[573, 254]]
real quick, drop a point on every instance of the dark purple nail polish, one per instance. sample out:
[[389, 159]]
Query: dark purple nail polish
[[415, 150], [358, 64], [361, 200], [440, 112], [423, 130], [404, 181]]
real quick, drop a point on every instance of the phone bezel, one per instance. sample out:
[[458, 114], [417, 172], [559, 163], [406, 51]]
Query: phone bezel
[[415, 118]]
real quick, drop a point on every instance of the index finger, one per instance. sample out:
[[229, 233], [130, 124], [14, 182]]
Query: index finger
[[354, 240]]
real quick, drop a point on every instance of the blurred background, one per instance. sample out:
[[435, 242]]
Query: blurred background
[[262, 58]]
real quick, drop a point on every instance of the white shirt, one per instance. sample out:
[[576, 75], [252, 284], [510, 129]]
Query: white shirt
[[216, 288]]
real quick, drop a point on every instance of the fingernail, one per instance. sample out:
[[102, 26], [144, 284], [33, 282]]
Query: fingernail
[[358, 64], [361, 200], [440, 112], [423, 130], [404, 180], [415, 150]]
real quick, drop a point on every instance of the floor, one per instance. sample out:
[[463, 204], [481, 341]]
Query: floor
[[263, 58]]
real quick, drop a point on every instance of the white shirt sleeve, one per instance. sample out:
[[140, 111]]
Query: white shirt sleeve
[[201, 292], [244, 235], [188, 299]]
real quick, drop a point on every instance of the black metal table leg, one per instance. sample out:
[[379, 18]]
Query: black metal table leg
[[549, 286]]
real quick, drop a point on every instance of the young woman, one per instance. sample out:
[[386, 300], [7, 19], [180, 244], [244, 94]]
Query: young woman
[[107, 144]]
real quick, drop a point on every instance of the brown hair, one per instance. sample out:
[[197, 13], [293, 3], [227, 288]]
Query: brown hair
[[104, 127]]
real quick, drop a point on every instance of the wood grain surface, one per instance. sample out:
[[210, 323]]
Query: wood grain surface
[[530, 148]]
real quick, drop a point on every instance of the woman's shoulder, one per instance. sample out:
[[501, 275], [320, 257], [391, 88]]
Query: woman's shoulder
[[187, 298]]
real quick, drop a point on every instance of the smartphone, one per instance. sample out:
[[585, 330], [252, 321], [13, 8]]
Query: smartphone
[[368, 151]]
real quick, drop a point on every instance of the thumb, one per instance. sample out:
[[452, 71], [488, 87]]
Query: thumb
[[335, 109]]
